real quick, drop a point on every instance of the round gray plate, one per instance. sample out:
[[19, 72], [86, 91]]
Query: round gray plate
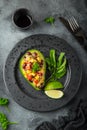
[[26, 95]]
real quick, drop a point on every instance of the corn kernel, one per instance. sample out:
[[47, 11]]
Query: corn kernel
[[38, 58], [33, 74], [28, 71], [37, 77]]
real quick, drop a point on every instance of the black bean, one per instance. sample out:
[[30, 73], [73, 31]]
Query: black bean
[[24, 65], [29, 53]]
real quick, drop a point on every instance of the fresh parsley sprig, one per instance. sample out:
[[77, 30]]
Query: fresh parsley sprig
[[4, 122], [50, 20], [35, 67], [4, 102]]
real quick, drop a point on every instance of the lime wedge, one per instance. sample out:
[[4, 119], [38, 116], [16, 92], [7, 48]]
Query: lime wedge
[[53, 85], [55, 94]]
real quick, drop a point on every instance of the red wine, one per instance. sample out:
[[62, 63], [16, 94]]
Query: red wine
[[23, 21]]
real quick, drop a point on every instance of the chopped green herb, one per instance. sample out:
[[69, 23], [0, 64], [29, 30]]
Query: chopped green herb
[[4, 122], [35, 67], [4, 101], [50, 20]]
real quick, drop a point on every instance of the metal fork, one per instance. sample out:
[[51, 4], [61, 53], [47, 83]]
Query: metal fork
[[76, 29]]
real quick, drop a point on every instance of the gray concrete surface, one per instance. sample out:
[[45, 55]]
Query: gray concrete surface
[[10, 35]]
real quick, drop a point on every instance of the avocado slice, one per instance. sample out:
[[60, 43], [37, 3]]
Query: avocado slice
[[33, 68], [53, 85]]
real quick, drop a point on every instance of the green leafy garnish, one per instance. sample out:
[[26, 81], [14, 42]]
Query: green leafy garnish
[[4, 122], [4, 101], [50, 20], [35, 67], [56, 66]]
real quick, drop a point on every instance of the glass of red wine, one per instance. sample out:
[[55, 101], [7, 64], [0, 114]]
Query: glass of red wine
[[22, 18]]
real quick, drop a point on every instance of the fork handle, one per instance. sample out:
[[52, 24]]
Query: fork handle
[[83, 38], [85, 44]]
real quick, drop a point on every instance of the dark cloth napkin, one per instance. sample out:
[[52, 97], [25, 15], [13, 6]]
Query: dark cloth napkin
[[75, 120]]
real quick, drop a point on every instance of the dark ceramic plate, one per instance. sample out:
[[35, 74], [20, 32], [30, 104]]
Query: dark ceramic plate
[[27, 96]]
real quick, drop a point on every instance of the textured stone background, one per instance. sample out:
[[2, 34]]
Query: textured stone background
[[10, 35]]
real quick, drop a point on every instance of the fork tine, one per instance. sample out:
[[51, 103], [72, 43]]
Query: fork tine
[[69, 21], [75, 21], [73, 24]]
